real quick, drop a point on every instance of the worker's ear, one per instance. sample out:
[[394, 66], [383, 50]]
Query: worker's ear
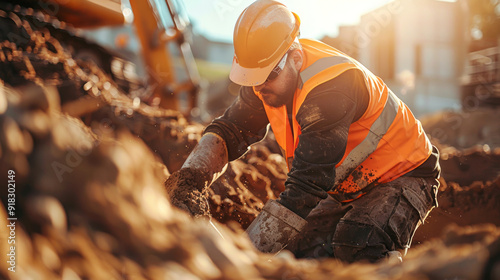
[[298, 59]]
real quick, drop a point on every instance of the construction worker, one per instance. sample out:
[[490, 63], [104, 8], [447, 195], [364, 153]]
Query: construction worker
[[362, 172]]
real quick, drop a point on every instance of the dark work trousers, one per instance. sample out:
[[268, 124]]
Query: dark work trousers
[[382, 220]]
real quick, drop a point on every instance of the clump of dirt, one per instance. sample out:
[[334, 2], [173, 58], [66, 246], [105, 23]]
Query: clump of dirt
[[241, 192], [183, 192]]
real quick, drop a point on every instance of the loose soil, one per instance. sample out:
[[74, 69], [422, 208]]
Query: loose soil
[[91, 201], [181, 188]]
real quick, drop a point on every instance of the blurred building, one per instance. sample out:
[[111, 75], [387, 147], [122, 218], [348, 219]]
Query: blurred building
[[417, 47], [481, 82], [346, 40], [213, 51]]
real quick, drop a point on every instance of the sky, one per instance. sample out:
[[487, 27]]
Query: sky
[[216, 18]]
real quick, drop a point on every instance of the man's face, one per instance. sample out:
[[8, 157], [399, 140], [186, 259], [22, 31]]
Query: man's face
[[279, 91]]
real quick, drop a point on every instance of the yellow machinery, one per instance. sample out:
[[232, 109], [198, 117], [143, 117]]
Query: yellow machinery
[[153, 35]]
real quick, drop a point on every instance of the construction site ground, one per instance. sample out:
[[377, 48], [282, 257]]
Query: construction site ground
[[90, 200]]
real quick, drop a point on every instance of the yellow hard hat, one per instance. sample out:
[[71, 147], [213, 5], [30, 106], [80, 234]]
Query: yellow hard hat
[[263, 33]]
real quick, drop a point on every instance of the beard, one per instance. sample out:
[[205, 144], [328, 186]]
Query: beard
[[274, 100], [284, 97]]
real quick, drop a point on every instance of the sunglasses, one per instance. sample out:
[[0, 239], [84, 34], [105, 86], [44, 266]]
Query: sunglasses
[[277, 70]]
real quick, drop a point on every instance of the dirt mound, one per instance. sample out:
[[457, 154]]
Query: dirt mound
[[94, 206], [40, 50], [464, 129], [107, 216], [478, 163], [476, 204], [469, 193]]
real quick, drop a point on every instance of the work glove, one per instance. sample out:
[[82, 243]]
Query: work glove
[[187, 187], [187, 191]]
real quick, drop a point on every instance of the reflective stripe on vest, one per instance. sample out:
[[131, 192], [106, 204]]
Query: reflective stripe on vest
[[320, 65], [378, 129]]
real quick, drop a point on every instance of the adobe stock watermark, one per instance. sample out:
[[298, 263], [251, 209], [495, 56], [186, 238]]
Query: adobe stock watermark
[[11, 220], [222, 7], [381, 18]]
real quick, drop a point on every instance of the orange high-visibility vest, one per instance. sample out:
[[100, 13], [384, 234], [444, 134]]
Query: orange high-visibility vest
[[385, 143]]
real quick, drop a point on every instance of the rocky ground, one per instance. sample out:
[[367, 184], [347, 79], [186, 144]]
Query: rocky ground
[[90, 165]]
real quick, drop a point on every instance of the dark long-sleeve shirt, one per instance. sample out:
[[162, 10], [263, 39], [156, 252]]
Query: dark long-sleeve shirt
[[324, 118]]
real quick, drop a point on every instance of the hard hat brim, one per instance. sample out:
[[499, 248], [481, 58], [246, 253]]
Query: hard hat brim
[[250, 76]]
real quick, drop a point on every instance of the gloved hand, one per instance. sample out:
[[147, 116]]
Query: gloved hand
[[187, 186], [186, 189]]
